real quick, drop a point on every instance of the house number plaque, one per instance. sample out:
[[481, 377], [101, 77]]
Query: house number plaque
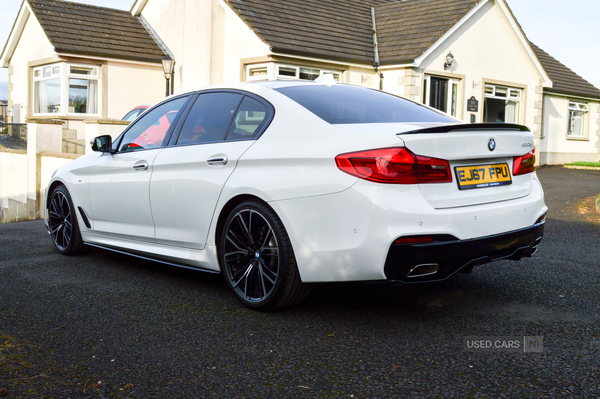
[[472, 104]]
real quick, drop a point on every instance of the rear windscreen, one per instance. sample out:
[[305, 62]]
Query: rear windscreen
[[341, 104]]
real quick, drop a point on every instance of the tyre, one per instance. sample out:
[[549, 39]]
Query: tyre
[[62, 222], [257, 259]]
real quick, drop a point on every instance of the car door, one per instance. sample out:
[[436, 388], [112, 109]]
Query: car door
[[119, 182], [189, 174]]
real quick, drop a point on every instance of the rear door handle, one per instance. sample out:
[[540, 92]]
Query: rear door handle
[[221, 160]]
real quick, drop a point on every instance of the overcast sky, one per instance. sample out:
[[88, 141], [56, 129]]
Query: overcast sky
[[567, 30]]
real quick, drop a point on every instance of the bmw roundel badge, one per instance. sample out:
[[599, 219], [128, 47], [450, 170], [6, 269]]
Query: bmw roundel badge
[[492, 144]]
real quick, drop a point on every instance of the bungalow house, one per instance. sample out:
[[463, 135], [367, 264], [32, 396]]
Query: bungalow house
[[469, 58], [75, 63]]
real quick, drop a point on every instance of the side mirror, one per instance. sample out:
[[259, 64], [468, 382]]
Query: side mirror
[[102, 144]]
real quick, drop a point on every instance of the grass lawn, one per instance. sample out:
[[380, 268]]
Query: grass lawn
[[589, 164]]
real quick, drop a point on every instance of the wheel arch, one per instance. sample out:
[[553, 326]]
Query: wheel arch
[[225, 210], [50, 189]]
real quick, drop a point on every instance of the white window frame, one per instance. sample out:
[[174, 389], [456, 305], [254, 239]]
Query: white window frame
[[582, 109], [55, 71], [272, 71], [258, 69], [453, 95], [63, 71], [92, 76], [514, 94]]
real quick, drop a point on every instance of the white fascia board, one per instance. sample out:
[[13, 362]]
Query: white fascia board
[[322, 60], [87, 57], [138, 7], [417, 62], [547, 82], [574, 97], [263, 46], [398, 66], [15, 34]]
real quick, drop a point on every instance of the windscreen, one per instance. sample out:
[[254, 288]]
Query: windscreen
[[341, 104]]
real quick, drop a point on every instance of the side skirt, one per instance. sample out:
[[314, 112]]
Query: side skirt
[[181, 265]]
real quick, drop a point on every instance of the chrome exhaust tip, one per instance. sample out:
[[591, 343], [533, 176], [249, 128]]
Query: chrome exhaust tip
[[426, 269], [534, 247]]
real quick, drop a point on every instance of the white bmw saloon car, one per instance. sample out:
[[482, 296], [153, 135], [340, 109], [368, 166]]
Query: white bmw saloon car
[[278, 185]]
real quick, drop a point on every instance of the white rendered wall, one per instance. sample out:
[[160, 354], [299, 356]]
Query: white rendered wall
[[236, 45], [13, 179], [186, 28], [129, 85], [557, 147], [33, 45]]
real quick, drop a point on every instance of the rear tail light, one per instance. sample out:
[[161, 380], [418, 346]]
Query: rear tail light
[[394, 166], [524, 164]]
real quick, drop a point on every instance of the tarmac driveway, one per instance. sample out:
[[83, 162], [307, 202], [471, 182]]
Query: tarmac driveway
[[110, 326]]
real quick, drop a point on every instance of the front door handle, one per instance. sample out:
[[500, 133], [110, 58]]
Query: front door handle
[[141, 166], [216, 161]]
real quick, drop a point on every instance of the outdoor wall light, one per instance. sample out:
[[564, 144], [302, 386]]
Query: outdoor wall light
[[449, 61], [168, 65]]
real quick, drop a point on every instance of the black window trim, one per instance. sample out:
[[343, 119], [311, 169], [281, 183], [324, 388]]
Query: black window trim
[[117, 141], [177, 131]]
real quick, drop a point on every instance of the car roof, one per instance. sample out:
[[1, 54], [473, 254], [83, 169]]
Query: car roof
[[275, 84], [268, 84]]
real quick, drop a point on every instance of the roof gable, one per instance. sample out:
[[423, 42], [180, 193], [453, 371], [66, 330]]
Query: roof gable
[[564, 80], [343, 29], [81, 29], [407, 29]]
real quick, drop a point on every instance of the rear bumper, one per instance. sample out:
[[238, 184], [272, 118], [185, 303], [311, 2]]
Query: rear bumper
[[435, 261]]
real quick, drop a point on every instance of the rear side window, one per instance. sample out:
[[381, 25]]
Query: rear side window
[[341, 104], [210, 117], [249, 121]]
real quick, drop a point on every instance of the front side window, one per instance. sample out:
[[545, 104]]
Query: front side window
[[65, 89], [150, 129], [502, 104], [577, 113]]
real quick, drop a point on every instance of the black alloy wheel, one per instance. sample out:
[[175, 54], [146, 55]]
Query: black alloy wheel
[[62, 223], [257, 259]]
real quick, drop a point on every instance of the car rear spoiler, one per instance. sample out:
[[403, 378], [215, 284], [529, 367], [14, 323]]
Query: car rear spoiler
[[468, 127]]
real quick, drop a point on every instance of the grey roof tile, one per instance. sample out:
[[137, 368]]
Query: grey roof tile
[[564, 80], [343, 29], [332, 29], [406, 29], [82, 29]]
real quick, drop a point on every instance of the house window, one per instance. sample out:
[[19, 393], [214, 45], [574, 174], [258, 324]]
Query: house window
[[502, 104], [441, 93], [577, 113], [275, 71], [47, 93], [65, 89], [258, 73], [83, 90]]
